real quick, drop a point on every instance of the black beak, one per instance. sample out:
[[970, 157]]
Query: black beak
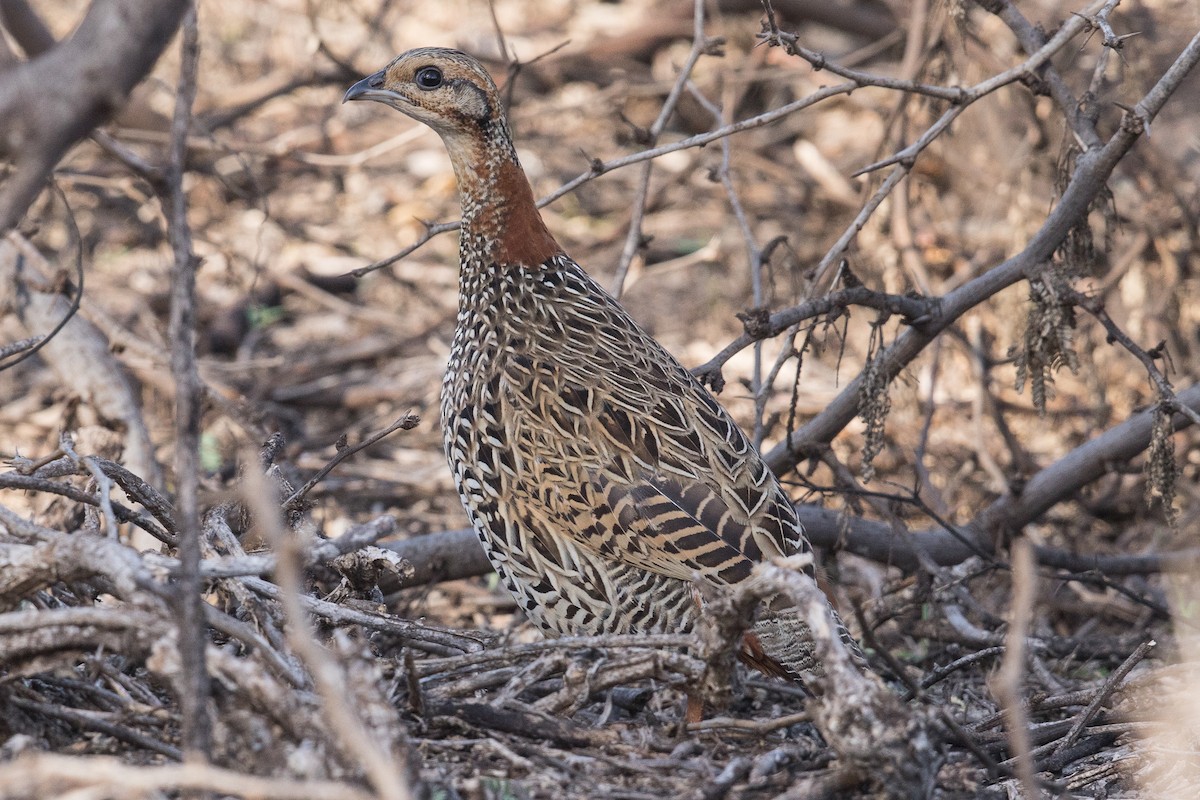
[[365, 87]]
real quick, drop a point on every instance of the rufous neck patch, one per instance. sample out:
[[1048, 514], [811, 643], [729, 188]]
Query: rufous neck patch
[[523, 237], [500, 217]]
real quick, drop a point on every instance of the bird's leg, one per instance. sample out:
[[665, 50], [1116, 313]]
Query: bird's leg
[[695, 707]]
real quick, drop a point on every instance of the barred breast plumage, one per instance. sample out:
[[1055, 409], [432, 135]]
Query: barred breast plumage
[[601, 477]]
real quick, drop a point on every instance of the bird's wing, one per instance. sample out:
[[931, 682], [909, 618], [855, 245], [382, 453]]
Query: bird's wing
[[682, 492], [659, 474]]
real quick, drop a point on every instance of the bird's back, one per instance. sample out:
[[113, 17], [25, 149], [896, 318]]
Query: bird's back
[[603, 479]]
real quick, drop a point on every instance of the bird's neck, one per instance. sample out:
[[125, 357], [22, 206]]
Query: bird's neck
[[501, 225]]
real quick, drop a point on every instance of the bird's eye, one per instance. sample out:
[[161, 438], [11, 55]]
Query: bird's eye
[[429, 77]]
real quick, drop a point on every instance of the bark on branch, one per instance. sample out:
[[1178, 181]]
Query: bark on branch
[[50, 102]]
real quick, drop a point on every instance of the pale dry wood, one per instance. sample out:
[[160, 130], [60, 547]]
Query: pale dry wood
[[1006, 685], [57, 776], [79, 354]]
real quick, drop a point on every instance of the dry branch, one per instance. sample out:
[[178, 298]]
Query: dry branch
[[701, 45], [1006, 685], [79, 353], [50, 102], [194, 695], [377, 754], [39, 775], [893, 746], [1092, 170]]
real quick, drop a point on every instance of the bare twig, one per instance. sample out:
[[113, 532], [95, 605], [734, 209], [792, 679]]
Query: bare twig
[[438, 641], [759, 727], [44, 339], [140, 491], [47, 775], [1110, 686], [915, 311], [759, 387], [406, 423], [93, 722], [103, 484], [383, 770], [1095, 307], [507, 654], [262, 564], [633, 239], [1007, 683], [13, 480], [790, 42], [942, 672], [193, 633], [1091, 171]]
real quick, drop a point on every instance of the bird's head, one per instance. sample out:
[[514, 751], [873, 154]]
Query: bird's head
[[452, 93], [446, 89]]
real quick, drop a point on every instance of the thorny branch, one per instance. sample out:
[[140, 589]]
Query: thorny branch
[[1148, 359], [913, 310]]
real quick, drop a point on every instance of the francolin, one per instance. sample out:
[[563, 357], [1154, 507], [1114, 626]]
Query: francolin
[[602, 478]]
